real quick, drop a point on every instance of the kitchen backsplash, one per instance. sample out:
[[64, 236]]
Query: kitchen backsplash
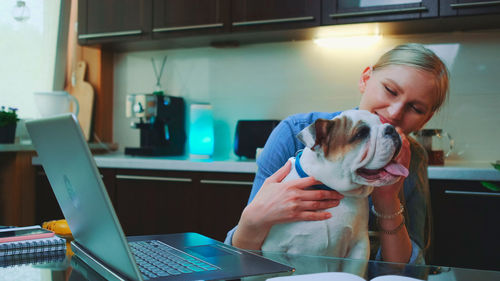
[[274, 80]]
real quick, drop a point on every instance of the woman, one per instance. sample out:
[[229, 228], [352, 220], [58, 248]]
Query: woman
[[405, 88]]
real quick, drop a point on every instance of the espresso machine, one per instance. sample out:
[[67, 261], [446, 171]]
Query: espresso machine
[[161, 121]]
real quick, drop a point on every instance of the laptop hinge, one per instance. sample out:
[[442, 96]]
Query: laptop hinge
[[95, 264]]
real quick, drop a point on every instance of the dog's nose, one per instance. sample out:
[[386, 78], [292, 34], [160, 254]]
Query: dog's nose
[[391, 131]]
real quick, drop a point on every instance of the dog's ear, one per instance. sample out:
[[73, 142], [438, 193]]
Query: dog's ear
[[316, 133], [308, 136], [322, 128]]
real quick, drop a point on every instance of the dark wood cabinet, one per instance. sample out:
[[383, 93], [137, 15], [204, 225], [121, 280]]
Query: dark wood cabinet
[[113, 20], [127, 25], [17, 188], [348, 11], [222, 198], [156, 202], [189, 17], [465, 225], [159, 201], [134, 21], [465, 232], [274, 14], [468, 7]]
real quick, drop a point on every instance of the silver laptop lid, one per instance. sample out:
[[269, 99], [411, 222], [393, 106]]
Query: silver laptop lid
[[80, 192]]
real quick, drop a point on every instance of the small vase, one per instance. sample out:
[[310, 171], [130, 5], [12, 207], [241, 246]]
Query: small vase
[[8, 133]]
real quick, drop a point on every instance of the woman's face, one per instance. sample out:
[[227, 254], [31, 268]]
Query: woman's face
[[400, 95]]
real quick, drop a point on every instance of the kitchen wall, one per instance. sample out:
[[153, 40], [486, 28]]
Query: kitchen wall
[[274, 80]]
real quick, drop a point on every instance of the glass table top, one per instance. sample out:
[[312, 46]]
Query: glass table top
[[73, 269]]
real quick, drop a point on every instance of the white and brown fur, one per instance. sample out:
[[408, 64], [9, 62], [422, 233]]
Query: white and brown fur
[[336, 152]]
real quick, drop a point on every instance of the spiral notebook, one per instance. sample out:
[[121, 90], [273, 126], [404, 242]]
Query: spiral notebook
[[33, 246], [33, 258]]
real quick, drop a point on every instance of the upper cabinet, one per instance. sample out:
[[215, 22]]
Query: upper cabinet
[[189, 17], [253, 15], [353, 11], [113, 20], [468, 7], [149, 24]]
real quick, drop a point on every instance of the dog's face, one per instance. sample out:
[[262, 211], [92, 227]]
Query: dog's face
[[353, 149]]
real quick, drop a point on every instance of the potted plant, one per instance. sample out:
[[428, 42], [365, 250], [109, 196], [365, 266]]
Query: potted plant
[[489, 185], [8, 123]]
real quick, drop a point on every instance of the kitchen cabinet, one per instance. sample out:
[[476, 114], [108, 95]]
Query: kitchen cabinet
[[46, 206], [127, 25], [159, 201], [250, 15], [147, 201], [348, 11], [17, 185], [107, 21], [155, 202], [189, 17], [113, 20], [468, 7], [222, 198], [465, 224]]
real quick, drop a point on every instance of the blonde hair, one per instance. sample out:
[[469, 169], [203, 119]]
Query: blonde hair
[[416, 55]]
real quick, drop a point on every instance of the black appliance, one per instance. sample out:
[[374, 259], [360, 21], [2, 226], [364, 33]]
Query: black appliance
[[252, 134], [161, 124]]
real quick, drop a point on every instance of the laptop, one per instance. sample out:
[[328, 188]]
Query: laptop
[[98, 237]]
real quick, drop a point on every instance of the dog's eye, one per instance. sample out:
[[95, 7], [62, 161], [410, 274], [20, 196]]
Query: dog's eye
[[362, 133]]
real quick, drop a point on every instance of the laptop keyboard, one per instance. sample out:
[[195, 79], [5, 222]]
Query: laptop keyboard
[[157, 259]]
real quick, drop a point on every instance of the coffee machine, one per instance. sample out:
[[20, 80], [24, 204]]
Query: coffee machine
[[161, 124]]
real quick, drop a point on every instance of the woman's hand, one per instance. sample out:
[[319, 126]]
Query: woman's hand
[[391, 191], [280, 202], [394, 247]]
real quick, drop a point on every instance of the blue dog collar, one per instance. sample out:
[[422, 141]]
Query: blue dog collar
[[303, 174]]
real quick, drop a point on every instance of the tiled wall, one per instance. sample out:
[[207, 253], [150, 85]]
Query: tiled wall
[[273, 80]]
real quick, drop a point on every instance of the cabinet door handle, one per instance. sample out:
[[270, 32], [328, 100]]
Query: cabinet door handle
[[379, 12], [261, 22], [41, 173], [474, 4], [187, 27], [487, 194], [134, 177], [109, 34], [226, 182]]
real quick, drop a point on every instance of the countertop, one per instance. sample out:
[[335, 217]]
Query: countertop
[[29, 147], [452, 170], [180, 163], [16, 147]]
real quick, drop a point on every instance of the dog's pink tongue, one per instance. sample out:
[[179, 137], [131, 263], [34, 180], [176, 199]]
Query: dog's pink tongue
[[396, 169]]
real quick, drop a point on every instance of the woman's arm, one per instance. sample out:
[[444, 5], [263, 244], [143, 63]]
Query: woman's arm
[[279, 202], [395, 242]]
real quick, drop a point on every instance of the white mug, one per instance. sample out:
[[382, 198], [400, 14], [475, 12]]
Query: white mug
[[55, 102]]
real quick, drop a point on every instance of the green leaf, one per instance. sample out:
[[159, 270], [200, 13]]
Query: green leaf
[[490, 186], [8, 116], [496, 166]]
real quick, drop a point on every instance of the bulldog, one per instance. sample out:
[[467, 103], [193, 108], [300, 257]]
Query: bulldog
[[351, 153]]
